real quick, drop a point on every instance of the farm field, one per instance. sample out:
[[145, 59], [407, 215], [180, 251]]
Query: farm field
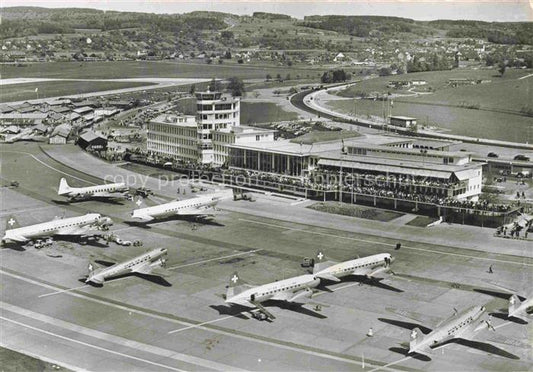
[[256, 112], [456, 120], [25, 91], [496, 108], [507, 93], [264, 112], [140, 69]]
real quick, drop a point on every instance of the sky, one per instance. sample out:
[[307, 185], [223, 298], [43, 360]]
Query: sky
[[484, 10]]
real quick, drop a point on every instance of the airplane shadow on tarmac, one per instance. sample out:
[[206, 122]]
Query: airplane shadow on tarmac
[[102, 200], [483, 346], [376, 282], [503, 315], [503, 295], [236, 310], [405, 352], [13, 246], [407, 325], [156, 279], [81, 241], [190, 219]]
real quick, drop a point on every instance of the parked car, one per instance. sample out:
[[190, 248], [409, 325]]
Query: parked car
[[492, 155], [521, 157]]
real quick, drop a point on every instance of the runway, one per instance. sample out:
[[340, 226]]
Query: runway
[[187, 326]]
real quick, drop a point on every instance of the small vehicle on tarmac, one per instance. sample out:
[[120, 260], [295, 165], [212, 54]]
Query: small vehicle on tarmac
[[143, 192]]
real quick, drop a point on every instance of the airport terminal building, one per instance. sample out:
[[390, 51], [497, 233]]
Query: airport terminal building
[[377, 165], [203, 138]]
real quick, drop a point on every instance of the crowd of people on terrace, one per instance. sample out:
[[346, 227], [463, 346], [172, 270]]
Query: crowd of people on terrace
[[389, 186]]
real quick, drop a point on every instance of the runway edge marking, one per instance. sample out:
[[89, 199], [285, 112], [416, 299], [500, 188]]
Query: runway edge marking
[[158, 351]]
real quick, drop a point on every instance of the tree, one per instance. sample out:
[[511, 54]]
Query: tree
[[268, 77], [215, 85], [235, 86], [501, 67], [278, 77], [227, 55], [385, 71], [288, 77]]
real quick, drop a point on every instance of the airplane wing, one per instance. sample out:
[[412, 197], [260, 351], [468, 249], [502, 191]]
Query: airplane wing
[[145, 218], [143, 269], [376, 271], [205, 211], [328, 276], [18, 238]]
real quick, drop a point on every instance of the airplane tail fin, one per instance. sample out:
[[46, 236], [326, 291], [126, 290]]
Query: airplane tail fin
[[236, 285], [416, 338], [321, 262], [12, 223], [90, 268], [64, 188], [514, 303], [139, 203]]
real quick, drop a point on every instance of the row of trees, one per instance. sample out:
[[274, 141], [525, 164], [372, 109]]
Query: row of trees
[[335, 76]]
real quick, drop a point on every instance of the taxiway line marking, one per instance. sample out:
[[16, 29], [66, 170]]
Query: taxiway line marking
[[390, 364], [213, 259], [62, 291], [345, 286], [503, 325], [49, 166], [224, 332], [383, 243], [90, 345], [201, 324]]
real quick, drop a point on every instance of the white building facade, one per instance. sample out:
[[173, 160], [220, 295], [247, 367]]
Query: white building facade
[[214, 111], [173, 136]]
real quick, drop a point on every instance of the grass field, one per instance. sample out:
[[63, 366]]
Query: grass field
[[138, 69], [497, 105], [505, 93], [462, 121], [264, 112], [14, 361], [26, 91], [321, 136], [356, 211]]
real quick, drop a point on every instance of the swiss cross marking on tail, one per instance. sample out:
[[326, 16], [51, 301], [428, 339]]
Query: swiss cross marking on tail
[[234, 278], [320, 255]]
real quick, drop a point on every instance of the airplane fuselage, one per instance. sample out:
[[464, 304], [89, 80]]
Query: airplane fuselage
[[95, 191], [521, 310], [359, 266], [63, 226], [193, 206], [152, 257], [280, 290], [451, 329]]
